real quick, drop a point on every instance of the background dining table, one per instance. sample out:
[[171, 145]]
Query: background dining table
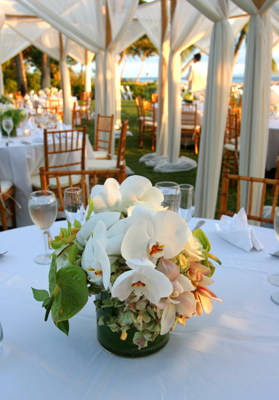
[[231, 354], [23, 158]]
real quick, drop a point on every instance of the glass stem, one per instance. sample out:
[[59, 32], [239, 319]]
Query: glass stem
[[45, 238]]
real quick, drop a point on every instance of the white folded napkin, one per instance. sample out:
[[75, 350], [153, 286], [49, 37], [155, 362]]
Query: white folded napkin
[[38, 137], [237, 231]]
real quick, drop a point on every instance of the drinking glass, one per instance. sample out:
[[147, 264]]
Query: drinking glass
[[274, 279], [171, 194], [44, 121], [42, 207], [74, 204], [7, 124], [186, 209]]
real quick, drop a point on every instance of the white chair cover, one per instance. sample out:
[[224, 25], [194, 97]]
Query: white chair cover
[[216, 105], [256, 95]]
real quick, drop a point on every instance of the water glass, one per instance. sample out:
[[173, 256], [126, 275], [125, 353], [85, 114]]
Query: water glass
[[171, 194], [42, 207], [1, 336], [186, 209], [74, 204]]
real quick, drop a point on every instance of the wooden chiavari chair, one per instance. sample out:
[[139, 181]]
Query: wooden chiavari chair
[[7, 204], [190, 131], [258, 216]]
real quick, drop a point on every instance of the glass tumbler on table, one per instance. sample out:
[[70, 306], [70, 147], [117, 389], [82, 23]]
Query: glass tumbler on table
[[73, 204], [42, 207], [274, 279], [7, 124], [171, 194], [186, 209]]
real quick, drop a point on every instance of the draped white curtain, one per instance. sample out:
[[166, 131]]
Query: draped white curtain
[[149, 16], [216, 105], [65, 81], [88, 60], [256, 95], [187, 27], [83, 21]]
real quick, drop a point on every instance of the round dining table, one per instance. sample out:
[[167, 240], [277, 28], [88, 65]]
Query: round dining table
[[22, 159], [230, 354]]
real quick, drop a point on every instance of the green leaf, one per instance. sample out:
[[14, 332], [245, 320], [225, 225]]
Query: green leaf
[[52, 274], [72, 295], [40, 295], [94, 289], [202, 238], [214, 258], [77, 224], [63, 326], [72, 253], [90, 208], [151, 312], [46, 302]]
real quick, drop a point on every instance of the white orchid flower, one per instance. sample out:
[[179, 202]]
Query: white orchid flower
[[154, 235], [95, 260], [109, 219], [194, 249], [181, 301], [143, 279], [106, 197], [139, 190]]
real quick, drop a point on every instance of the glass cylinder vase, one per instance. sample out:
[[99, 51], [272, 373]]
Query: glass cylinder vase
[[111, 341]]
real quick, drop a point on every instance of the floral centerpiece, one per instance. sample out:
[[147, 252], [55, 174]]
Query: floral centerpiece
[[49, 91], [17, 114], [6, 99], [146, 268], [189, 97]]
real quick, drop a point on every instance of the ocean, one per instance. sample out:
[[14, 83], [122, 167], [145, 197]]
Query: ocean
[[236, 79]]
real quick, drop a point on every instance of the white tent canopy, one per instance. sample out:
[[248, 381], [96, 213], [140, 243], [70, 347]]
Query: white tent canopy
[[101, 27]]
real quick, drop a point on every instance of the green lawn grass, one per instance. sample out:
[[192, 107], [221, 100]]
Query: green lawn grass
[[134, 153]]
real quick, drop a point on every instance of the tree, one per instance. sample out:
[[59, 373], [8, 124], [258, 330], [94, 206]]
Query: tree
[[45, 76], [185, 54], [20, 74], [142, 48]]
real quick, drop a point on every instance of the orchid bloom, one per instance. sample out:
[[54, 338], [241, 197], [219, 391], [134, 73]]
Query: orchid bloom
[[95, 260], [154, 235], [143, 279], [109, 219], [194, 249], [137, 190], [106, 197], [181, 301], [203, 295]]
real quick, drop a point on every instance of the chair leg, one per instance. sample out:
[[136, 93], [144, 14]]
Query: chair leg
[[3, 217]]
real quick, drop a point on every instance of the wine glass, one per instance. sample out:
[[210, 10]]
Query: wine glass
[[44, 121], [274, 279], [7, 124], [42, 207], [186, 209], [171, 194], [74, 204]]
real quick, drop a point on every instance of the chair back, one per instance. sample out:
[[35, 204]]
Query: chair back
[[138, 101], [7, 204], [104, 131], [46, 175], [154, 97], [122, 144], [232, 130], [76, 116], [250, 181], [64, 143], [188, 117]]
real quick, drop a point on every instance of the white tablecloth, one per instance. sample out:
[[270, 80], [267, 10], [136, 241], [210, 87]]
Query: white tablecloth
[[231, 354], [18, 161]]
